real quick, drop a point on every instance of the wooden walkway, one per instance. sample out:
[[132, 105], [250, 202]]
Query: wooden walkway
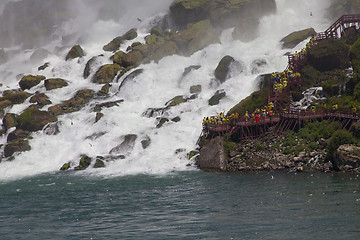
[[282, 121]]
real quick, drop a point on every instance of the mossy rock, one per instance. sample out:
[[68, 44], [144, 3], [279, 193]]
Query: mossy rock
[[104, 91], [9, 121], [169, 48], [293, 39], [98, 116], [74, 104], [32, 119], [106, 73], [100, 106], [44, 66], [30, 81], [18, 134], [176, 101], [54, 83], [223, 68], [99, 163], [116, 42], [144, 49], [176, 119], [157, 31], [195, 37], [75, 52], [40, 99], [329, 54], [161, 122], [16, 97], [133, 58], [117, 57], [65, 167], [145, 143], [122, 73], [215, 100], [154, 42], [4, 104], [84, 163], [16, 146], [195, 89]]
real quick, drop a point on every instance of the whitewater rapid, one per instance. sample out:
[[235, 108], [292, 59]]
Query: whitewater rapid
[[156, 85]]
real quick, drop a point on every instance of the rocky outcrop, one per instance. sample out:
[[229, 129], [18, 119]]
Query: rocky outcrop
[[328, 55], [215, 100], [40, 99], [15, 97], [116, 42], [212, 156], [224, 14], [84, 163], [223, 68], [54, 83], [75, 52], [16, 146], [32, 119], [126, 146], [106, 73], [74, 104], [293, 39], [9, 121], [30, 81], [347, 157]]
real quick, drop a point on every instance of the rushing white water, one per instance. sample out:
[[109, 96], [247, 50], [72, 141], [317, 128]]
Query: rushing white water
[[158, 83]]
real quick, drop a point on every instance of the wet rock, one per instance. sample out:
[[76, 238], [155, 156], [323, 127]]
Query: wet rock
[[44, 66], [145, 143], [215, 100], [132, 58], [169, 48], [18, 134], [9, 121], [52, 129], [131, 77], [347, 155], [99, 163], [84, 163], [98, 116], [154, 112], [74, 104], [106, 73], [195, 37], [4, 104], [126, 146], [100, 106], [65, 167], [176, 101], [30, 81], [75, 52], [195, 89], [16, 146], [40, 99], [116, 42], [176, 119], [34, 120], [293, 39], [16, 97], [189, 69], [54, 83], [212, 156], [161, 122], [104, 91], [223, 68], [89, 66]]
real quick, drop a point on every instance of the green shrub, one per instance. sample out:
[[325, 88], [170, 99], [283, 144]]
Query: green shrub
[[340, 137], [229, 146]]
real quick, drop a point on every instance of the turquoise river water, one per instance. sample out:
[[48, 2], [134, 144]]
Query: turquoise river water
[[182, 205]]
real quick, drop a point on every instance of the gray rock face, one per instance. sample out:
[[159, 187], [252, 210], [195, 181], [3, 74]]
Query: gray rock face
[[126, 146], [215, 100], [212, 156], [223, 68], [348, 156]]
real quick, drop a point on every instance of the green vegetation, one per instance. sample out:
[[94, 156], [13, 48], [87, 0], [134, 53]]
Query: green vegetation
[[229, 146]]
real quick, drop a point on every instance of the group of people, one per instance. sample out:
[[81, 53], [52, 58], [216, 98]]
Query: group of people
[[221, 118], [282, 79]]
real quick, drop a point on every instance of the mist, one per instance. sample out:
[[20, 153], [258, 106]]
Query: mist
[[36, 23]]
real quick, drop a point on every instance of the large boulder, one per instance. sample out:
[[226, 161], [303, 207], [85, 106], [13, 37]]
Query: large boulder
[[328, 55], [15, 97], [116, 42], [223, 68], [16, 146], [74, 104], [132, 58], [106, 73], [75, 52], [18, 134], [40, 99], [84, 163], [32, 119], [30, 81], [293, 39], [348, 157], [195, 37], [54, 83], [126, 146], [224, 14], [9, 121], [215, 99], [212, 156]]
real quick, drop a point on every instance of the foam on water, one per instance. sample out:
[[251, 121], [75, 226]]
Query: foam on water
[[156, 85]]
